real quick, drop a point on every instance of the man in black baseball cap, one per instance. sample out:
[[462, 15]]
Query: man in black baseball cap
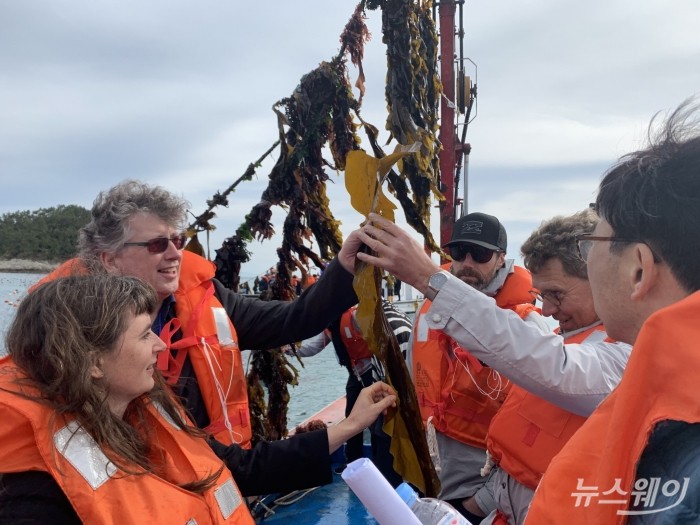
[[478, 250], [458, 394]]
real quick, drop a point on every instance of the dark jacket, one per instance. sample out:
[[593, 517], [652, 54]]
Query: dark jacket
[[261, 325], [669, 457]]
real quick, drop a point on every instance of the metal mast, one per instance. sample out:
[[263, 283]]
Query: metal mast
[[458, 95]]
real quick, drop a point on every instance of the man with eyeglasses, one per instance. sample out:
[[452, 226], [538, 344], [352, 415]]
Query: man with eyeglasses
[[636, 459], [457, 394], [136, 230]]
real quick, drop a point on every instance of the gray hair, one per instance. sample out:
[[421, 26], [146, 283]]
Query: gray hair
[[556, 237], [109, 228]]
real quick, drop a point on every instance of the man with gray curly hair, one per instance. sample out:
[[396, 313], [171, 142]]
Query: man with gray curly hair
[[115, 214], [559, 273]]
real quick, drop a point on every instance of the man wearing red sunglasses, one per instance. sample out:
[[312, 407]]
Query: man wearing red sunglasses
[[458, 395]]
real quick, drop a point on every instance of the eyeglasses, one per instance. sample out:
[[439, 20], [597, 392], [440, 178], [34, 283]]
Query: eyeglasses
[[554, 297], [160, 244], [585, 243], [481, 255]]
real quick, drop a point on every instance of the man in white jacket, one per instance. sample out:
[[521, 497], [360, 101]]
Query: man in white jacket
[[458, 396], [575, 377]]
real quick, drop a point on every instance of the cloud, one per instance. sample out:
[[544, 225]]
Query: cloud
[[180, 94]]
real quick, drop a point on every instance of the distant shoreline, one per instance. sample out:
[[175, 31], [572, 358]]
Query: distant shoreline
[[26, 266]]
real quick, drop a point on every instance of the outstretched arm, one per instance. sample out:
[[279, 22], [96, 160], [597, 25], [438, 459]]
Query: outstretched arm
[[576, 377], [302, 461], [265, 324], [313, 345], [297, 463]]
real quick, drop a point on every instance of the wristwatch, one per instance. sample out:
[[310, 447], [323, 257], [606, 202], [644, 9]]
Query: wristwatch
[[435, 284]]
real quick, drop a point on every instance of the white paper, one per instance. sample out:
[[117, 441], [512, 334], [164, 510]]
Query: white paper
[[377, 495]]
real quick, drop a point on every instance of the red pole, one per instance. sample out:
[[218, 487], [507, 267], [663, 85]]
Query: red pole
[[447, 118]]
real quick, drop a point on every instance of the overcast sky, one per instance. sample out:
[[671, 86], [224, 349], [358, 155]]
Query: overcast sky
[[179, 93]]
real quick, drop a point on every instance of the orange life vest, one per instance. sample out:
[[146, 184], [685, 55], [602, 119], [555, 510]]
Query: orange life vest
[[34, 437], [69, 268], [449, 380], [210, 340], [357, 347], [600, 461], [527, 431]]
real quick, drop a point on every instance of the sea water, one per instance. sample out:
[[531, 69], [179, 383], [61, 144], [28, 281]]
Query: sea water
[[321, 379], [13, 286]]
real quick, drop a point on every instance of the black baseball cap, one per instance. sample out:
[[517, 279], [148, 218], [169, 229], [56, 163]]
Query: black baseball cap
[[481, 229]]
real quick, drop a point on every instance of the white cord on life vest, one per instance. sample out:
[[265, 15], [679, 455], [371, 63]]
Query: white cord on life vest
[[209, 355], [432, 444], [495, 391]]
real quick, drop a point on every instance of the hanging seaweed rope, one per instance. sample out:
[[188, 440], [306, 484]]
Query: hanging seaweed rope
[[319, 114], [412, 93], [412, 97]]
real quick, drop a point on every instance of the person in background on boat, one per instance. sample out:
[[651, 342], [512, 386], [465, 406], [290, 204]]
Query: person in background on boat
[[458, 395], [364, 369], [388, 285], [91, 433], [528, 431], [264, 282], [310, 280], [136, 230], [636, 459], [397, 289]]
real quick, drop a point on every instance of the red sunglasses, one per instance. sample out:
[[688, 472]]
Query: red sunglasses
[[160, 244]]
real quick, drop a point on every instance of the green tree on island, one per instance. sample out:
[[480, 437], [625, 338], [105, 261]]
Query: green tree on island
[[47, 234]]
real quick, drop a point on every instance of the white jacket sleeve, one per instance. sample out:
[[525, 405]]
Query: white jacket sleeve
[[576, 377], [313, 345]]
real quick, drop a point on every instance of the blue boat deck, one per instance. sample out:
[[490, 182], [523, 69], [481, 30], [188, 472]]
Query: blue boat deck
[[332, 504]]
